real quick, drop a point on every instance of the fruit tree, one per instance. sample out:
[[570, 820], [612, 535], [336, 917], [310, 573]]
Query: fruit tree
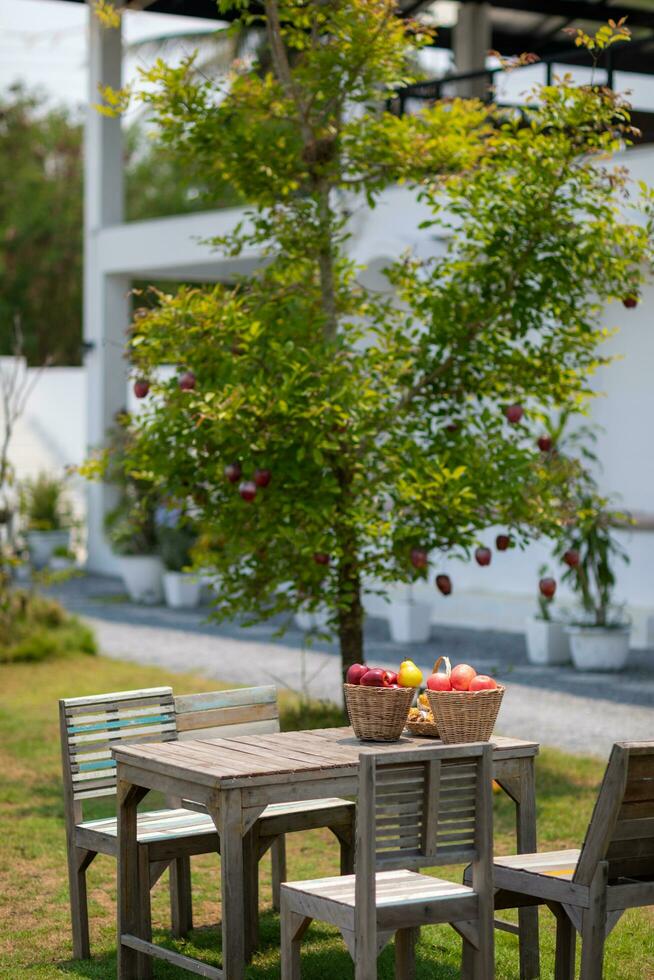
[[332, 439]]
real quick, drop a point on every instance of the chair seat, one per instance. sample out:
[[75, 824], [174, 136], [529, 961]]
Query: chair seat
[[162, 825], [555, 864], [415, 894], [157, 825]]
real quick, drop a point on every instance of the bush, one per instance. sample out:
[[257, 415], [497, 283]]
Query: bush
[[43, 505], [36, 628]]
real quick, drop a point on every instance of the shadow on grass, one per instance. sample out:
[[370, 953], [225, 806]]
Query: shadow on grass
[[324, 956]]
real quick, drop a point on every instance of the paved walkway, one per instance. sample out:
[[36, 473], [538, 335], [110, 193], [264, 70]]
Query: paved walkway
[[558, 707]]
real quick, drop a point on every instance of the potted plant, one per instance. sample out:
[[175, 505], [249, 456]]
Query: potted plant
[[131, 526], [177, 536], [47, 516], [600, 639], [62, 559], [547, 641]]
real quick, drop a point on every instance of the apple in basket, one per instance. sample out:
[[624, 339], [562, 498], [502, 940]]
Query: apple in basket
[[355, 672], [375, 677], [482, 682]]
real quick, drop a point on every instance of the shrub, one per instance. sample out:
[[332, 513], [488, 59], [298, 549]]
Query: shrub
[[35, 628]]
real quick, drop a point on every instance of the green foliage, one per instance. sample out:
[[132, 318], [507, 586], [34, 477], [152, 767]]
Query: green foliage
[[176, 545], [131, 524], [43, 504], [594, 536], [383, 423], [41, 218], [35, 628]]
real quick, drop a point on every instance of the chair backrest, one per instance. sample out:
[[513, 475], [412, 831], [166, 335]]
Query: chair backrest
[[222, 714], [422, 808], [91, 726], [621, 829]]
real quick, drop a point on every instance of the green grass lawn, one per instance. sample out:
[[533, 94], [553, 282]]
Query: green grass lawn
[[35, 936]]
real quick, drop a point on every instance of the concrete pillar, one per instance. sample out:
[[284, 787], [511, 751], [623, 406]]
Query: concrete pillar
[[106, 302], [472, 39]]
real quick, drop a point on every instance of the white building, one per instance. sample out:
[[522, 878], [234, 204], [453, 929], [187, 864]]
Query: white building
[[116, 252]]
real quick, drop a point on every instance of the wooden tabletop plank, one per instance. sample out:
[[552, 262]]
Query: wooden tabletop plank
[[254, 760]]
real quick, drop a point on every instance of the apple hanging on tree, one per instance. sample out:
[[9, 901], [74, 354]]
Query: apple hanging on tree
[[483, 556], [141, 388], [187, 381], [419, 558], [248, 490], [547, 587], [545, 444], [233, 472], [514, 413], [444, 584], [503, 542]]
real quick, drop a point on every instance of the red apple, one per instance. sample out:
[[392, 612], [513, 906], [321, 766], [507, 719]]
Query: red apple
[[452, 427], [391, 677], [483, 556], [571, 557], [502, 542], [461, 677], [419, 558], [514, 413], [545, 444], [439, 682], [141, 388], [321, 558], [444, 584], [262, 477], [630, 302], [547, 587], [248, 490], [374, 677], [482, 682], [187, 381], [354, 673], [233, 472]]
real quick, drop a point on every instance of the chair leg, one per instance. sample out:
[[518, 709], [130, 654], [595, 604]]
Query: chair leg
[[347, 852], [251, 891], [78, 861], [405, 953], [593, 926], [467, 960], [278, 858], [181, 897], [144, 963], [293, 927], [566, 941]]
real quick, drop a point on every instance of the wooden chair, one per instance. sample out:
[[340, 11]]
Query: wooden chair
[[589, 889], [90, 726], [415, 809]]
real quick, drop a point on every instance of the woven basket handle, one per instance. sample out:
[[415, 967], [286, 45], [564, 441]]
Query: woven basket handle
[[448, 666]]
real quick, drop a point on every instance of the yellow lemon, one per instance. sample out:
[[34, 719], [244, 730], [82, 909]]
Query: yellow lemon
[[409, 675]]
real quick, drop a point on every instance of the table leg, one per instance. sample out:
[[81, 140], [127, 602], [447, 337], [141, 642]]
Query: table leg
[[129, 904], [521, 787], [229, 821]]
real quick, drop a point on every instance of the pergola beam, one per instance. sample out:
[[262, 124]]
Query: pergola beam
[[578, 10]]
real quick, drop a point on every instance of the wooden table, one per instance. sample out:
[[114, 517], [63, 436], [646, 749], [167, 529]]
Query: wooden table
[[235, 779]]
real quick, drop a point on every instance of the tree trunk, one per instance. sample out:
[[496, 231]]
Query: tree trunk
[[350, 617]]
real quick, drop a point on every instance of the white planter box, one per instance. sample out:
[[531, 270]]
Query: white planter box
[[41, 544], [182, 590], [410, 622], [547, 642], [142, 575], [308, 621], [594, 648]]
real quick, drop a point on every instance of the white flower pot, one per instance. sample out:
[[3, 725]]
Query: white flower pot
[[142, 575], [547, 642], [596, 648], [41, 545], [182, 590], [410, 622], [60, 564], [309, 621]]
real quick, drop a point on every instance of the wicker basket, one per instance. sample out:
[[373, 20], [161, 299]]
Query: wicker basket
[[378, 714], [465, 716], [426, 729]]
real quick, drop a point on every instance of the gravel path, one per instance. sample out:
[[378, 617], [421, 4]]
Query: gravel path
[[617, 708]]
